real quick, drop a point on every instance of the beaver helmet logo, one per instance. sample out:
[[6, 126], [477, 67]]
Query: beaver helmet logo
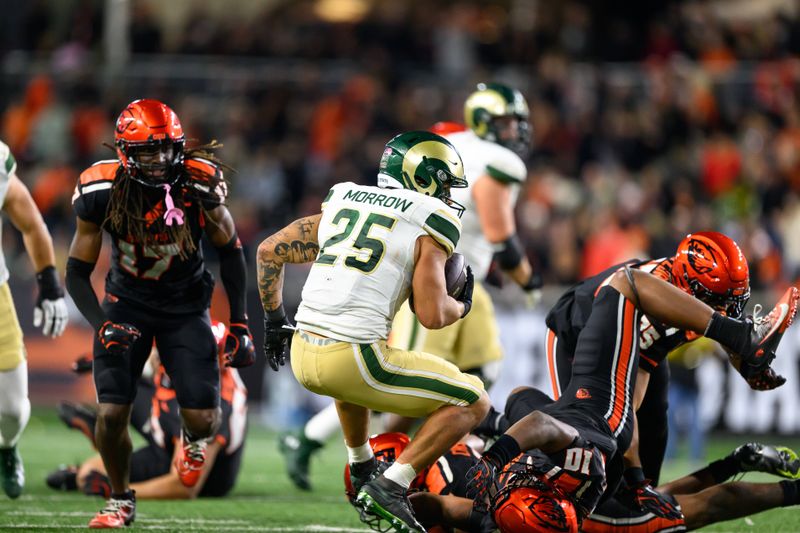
[[550, 515]]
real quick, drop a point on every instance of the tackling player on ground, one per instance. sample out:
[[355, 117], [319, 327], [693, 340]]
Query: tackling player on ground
[[707, 265], [155, 417], [372, 248], [595, 409], [491, 146], [50, 314], [156, 202]]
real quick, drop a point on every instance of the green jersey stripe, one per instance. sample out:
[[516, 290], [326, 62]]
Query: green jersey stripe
[[500, 176], [386, 377], [444, 227], [10, 163]]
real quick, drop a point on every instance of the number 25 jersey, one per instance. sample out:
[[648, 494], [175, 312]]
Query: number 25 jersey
[[363, 272]]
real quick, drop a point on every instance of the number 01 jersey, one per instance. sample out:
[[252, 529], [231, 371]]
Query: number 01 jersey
[[363, 272]]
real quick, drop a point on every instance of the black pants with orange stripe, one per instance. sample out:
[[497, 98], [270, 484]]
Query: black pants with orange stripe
[[602, 371]]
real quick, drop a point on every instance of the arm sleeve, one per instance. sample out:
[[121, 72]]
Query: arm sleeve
[[79, 286], [233, 272]]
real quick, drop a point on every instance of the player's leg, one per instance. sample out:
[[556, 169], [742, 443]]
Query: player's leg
[[15, 407], [733, 500], [15, 410], [559, 363], [751, 457], [386, 379], [115, 379], [653, 426], [189, 353]]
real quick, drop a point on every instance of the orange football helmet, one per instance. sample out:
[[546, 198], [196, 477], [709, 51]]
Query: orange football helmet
[[387, 447], [149, 141], [711, 267], [534, 510], [446, 128]]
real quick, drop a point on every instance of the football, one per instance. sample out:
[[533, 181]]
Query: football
[[455, 274]]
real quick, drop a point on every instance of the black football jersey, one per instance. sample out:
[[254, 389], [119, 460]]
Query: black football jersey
[[154, 276]]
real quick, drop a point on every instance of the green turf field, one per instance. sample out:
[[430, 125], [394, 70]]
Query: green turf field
[[264, 499]]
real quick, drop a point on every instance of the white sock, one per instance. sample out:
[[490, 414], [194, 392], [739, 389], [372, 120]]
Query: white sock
[[15, 408], [323, 424], [359, 454], [402, 474]]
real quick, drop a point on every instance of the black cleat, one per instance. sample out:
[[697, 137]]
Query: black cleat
[[65, 478], [80, 417], [361, 473], [383, 499], [12, 473], [297, 450], [775, 460]]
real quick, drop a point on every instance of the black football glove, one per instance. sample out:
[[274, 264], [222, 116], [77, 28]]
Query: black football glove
[[83, 364], [277, 338], [466, 294], [239, 351], [97, 484], [639, 495], [117, 338], [482, 481]]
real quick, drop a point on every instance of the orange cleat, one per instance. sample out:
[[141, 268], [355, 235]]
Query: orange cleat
[[768, 330], [190, 462], [116, 514]]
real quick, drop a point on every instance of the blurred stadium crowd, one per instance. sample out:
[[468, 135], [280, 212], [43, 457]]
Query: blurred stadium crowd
[[648, 121]]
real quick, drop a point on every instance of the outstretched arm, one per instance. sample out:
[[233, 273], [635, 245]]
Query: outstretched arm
[[51, 310], [296, 243], [25, 216]]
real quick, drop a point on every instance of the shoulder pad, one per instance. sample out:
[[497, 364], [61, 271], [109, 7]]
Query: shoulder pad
[[444, 227], [8, 165], [202, 169], [99, 176], [505, 166], [200, 173]]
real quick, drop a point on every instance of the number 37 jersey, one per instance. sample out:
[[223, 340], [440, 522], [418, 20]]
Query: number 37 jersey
[[363, 272]]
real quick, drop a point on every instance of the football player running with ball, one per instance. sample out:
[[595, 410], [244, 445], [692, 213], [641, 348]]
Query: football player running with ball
[[372, 248], [492, 144], [156, 202]]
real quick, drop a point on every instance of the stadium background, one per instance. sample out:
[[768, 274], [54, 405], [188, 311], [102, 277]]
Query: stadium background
[[649, 120]]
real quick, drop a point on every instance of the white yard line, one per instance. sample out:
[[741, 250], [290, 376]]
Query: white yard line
[[310, 527]]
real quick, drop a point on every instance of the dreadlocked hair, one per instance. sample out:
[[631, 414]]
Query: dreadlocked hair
[[129, 205]]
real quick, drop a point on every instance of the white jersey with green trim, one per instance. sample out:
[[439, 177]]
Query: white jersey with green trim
[[363, 272], [482, 158], [8, 167]]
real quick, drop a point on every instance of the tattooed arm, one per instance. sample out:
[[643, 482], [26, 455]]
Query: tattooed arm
[[296, 243]]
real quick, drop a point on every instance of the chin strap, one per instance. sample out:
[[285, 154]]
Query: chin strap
[[173, 214]]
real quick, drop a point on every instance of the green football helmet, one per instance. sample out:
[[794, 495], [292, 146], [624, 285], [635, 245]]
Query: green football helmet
[[491, 101], [424, 162]]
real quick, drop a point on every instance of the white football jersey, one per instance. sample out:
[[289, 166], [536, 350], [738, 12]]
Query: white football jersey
[[8, 167], [363, 272], [482, 158]]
